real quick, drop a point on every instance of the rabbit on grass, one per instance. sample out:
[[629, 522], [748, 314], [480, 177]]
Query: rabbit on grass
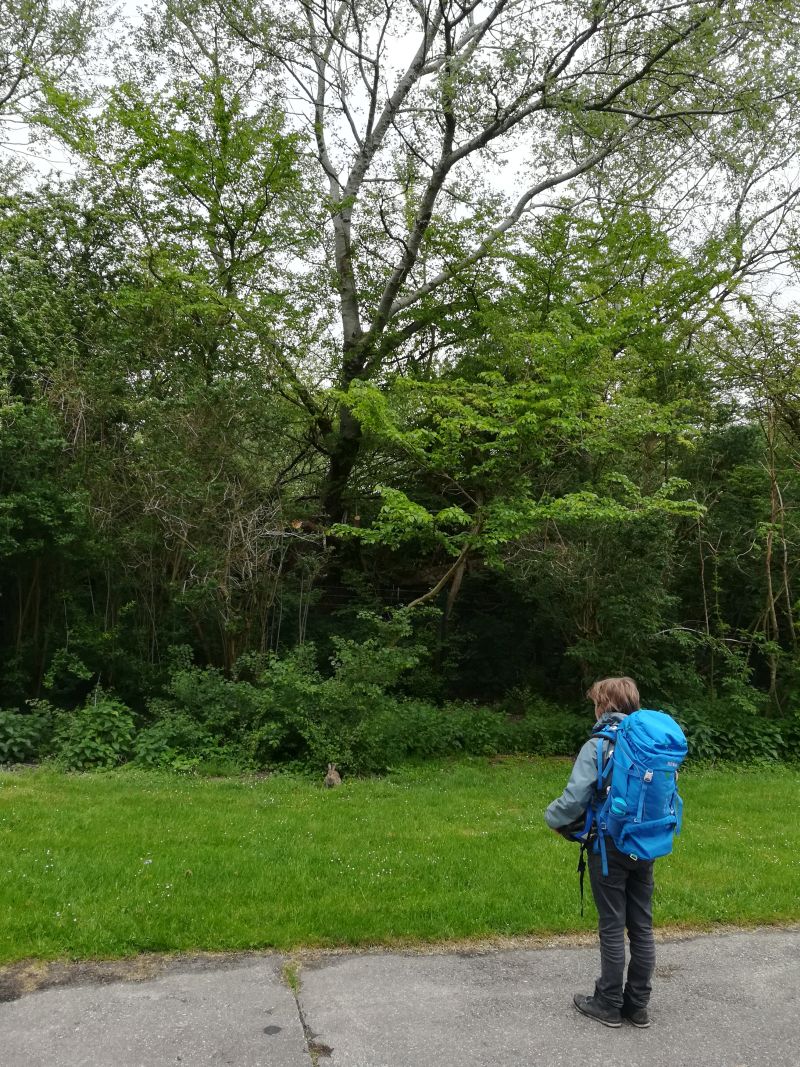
[[332, 778]]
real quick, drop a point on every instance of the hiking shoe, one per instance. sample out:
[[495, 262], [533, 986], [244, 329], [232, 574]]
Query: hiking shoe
[[595, 1010], [638, 1016]]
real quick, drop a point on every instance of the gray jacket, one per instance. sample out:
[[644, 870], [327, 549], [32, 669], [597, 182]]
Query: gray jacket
[[580, 788]]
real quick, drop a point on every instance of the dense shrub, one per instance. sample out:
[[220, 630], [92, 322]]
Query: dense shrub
[[406, 729], [556, 731], [100, 734], [285, 711], [174, 741], [790, 729], [24, 735], [718, 730], [275, 711]]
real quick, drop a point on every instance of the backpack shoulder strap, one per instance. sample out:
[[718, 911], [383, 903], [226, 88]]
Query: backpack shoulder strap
[[609, 734], [606, 739]]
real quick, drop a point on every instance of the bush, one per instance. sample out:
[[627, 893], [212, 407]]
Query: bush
[[281, 710], [422, 731], [558, 731], [264, 720], [480, 731], [175, 741], [24, 735], [720, 730], [284, 711], [403, 728], [703, 740], [100, 734], [790, 730], [548, 729]]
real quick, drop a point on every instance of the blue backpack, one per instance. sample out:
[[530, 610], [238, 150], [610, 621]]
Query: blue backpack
[[639, 808]]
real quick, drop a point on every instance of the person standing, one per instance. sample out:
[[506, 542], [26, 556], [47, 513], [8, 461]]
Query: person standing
[[624, 894]]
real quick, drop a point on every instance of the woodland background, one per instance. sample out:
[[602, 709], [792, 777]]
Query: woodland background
[[375, 375]]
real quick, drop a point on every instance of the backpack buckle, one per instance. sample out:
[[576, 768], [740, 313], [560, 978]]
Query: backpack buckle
[[648, 776]]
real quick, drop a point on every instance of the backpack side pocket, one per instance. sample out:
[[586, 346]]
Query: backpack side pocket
[[647, 840]]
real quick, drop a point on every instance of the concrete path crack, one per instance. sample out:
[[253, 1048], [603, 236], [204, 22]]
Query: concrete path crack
[[316, 1049]]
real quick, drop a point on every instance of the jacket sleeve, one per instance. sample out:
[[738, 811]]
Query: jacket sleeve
[[577, 795]]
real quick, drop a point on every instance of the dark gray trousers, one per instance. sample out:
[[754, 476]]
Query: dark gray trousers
[[624, 900]]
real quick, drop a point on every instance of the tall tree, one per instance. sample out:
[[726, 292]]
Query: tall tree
[[410, 104]]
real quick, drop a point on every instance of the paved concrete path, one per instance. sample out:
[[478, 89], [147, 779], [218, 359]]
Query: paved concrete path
[[720, 1001]]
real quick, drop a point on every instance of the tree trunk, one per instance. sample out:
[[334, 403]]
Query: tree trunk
[[343, 456]]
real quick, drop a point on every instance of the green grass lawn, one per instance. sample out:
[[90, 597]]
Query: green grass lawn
[[113, 864]]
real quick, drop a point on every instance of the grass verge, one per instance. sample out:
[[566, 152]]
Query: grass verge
[[109, 865]]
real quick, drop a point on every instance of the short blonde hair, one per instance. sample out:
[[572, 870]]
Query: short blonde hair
[[615, 694]]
